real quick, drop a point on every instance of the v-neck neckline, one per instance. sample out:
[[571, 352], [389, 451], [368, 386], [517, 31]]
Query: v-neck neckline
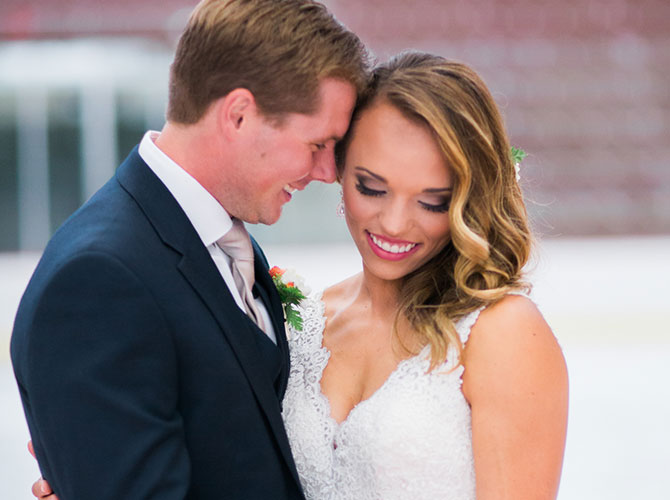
[[362, 403]]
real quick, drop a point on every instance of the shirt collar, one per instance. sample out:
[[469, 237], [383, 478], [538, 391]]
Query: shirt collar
[[208, 217]]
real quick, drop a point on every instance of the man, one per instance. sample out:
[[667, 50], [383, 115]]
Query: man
[[146, 367]]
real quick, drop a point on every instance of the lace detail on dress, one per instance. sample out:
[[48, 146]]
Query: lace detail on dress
[[412, 439]]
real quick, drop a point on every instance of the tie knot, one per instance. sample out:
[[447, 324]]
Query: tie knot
[[236, 242]]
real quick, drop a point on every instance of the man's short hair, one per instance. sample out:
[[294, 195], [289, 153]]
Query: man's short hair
[[279, 50]]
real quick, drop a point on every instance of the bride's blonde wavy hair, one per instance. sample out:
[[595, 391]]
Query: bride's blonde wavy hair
[[490, 237]]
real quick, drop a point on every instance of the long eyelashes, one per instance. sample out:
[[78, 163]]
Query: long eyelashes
[[366, 191], [440, 209]]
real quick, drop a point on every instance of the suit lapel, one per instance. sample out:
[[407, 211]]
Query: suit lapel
[[266, 289], [197, 267]]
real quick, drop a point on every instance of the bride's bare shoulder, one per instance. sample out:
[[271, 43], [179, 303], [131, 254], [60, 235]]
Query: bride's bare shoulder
[[336, 296]]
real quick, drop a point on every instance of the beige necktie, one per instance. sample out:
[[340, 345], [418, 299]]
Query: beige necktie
[[237, 245]]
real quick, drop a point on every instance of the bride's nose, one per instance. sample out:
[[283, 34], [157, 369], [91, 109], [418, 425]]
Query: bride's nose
[[395, 217]]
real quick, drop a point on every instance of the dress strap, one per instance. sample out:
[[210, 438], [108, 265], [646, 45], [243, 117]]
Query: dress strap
[[465, 324]]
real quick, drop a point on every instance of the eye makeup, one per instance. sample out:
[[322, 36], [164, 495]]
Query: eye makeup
[[363, 188], [440, 209]]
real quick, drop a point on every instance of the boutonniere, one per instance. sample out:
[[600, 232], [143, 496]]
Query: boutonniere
[[292, 290]]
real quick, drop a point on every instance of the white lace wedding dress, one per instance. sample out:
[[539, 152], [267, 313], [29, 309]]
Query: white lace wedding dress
[[411, 440]]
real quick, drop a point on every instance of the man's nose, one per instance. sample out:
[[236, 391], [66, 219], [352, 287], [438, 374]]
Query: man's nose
[[324, 166]]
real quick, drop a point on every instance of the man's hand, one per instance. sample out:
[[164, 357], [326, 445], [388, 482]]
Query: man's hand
[[41, 489]]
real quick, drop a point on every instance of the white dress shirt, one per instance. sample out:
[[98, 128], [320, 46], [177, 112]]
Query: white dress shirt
[[208, 217]]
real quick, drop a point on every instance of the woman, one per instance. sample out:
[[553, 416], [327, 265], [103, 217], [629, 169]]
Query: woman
[[430, 374]]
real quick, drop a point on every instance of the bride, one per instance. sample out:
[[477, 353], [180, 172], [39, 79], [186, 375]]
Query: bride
[[431, 374]]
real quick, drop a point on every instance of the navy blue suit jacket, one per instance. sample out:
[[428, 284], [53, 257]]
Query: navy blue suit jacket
[[140, 377]]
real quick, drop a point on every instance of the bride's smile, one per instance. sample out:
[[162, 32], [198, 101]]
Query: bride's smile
[[390, 248]]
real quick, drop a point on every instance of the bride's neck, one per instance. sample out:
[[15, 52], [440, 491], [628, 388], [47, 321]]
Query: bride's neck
[[382, 295]]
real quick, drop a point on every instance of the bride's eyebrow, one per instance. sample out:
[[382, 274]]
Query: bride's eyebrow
[[371, 174], [443, 190]]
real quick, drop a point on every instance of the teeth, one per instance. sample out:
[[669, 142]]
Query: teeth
[[385, 245], [289, 189]]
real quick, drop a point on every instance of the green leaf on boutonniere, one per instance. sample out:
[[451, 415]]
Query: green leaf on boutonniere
[[290, 295]]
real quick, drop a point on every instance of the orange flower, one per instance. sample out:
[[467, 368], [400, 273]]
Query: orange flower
[[276, 271], [290, 284]]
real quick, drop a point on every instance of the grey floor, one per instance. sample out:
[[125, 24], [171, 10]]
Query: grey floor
[[607, 301]]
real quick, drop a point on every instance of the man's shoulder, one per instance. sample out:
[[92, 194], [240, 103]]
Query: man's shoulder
[[107, 214], [109, 226]]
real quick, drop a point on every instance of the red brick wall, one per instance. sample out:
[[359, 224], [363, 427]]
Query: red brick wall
[[584, 85], [22, 19]]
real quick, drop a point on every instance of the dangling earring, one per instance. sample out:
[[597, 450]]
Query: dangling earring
[[339, 211]]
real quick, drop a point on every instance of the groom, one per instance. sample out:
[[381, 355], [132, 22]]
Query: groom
[[149, 363]]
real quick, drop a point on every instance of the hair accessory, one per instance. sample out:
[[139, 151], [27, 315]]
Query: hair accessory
[[517, 157]]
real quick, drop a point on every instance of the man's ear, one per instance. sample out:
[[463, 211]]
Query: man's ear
[[236, 110]]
